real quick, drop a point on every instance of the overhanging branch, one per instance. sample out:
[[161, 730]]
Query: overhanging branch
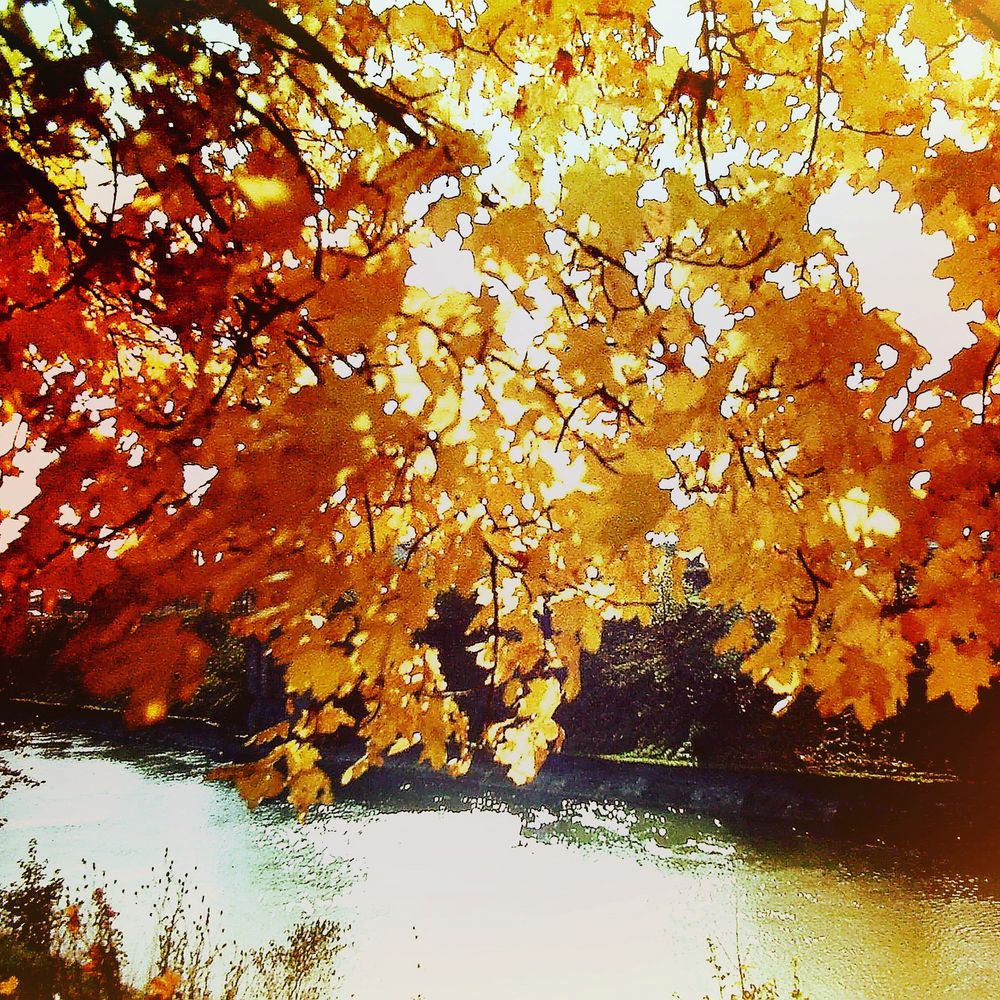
[[382, 107]]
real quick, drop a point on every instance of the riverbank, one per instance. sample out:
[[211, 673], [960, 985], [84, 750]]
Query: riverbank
[[938, 813]]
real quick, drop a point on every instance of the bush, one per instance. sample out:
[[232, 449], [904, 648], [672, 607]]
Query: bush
[[29, 908], [735, 982], [49, 948], [662, 691]]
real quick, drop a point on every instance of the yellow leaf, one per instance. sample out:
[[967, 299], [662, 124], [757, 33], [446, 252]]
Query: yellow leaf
[[542, 698], [263, 191], [861, 519], [307, 788], [255, 782], [39, 265], [741, 638], [331, 718], [163, 987], [960, 670]]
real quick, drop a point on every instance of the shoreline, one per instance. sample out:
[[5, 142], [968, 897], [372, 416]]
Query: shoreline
[[936, 813]]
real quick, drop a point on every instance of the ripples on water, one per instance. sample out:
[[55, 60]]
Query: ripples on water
[[464, 896]]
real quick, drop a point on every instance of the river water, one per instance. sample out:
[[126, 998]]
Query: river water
[[463, 896]]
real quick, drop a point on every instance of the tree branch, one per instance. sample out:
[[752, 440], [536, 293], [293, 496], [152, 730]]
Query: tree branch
[[820, 57], [382, 107]]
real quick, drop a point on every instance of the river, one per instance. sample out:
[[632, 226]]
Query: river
[[465, 896]]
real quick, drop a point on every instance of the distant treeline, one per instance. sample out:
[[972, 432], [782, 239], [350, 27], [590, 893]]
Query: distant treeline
[[659, 692], [662, 692]]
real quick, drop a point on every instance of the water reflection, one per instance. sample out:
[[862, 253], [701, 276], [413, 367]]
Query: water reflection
[[454, 894]]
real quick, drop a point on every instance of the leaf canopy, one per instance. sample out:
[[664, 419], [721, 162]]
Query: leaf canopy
[[349, 305]]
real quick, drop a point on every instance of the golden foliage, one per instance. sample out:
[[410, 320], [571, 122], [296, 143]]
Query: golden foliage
[[349, 311]]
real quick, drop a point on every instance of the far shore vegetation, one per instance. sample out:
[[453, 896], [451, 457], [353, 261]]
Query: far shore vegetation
[[657, 694]]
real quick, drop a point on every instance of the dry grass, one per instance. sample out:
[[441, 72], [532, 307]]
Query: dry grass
[[52, 945]]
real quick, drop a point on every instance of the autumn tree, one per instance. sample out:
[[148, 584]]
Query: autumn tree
[[346, 306]]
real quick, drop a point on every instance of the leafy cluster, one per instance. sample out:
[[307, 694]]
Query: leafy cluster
[[347, 305]]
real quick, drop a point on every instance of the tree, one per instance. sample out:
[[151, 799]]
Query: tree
[[349, 308]]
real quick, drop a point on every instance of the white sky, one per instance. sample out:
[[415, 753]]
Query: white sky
[[894, 261]]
